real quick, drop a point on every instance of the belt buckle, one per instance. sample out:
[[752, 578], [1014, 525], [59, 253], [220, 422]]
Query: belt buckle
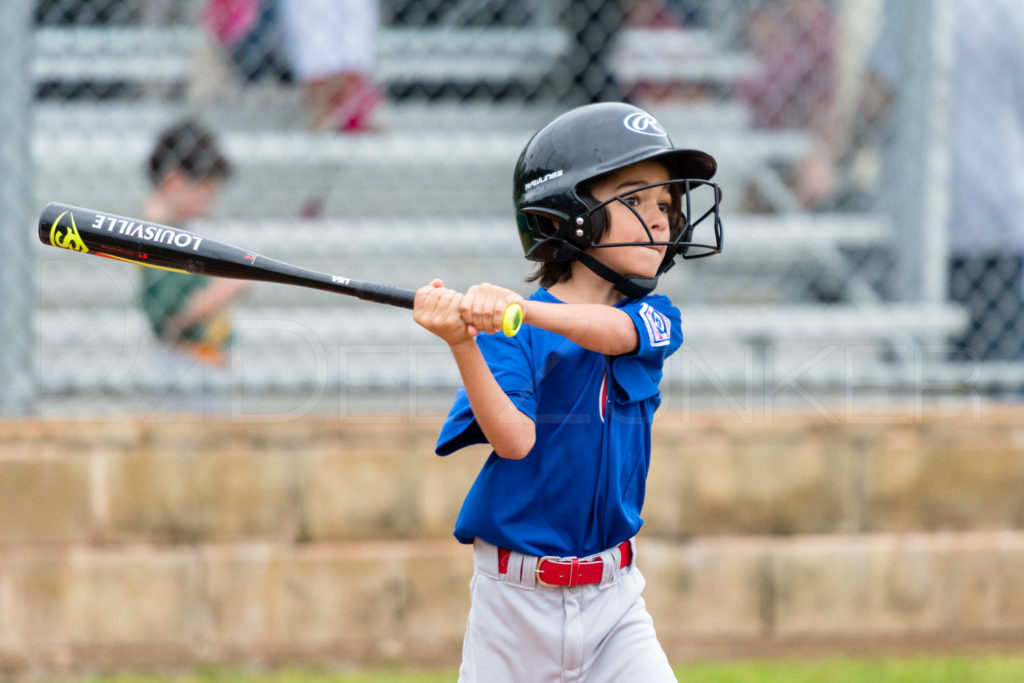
[[539, 570]]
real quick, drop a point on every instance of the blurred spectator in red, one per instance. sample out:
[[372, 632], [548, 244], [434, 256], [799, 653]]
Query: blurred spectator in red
[[249, 31], [331, 46], [795, 42]]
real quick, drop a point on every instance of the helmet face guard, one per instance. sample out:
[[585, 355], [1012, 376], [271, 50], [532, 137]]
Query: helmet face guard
[[690, 238]]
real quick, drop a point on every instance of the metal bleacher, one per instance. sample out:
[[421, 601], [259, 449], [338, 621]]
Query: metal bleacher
[[167, 53], [430, 196]]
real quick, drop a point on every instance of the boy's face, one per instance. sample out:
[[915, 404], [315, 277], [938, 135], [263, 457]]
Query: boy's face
[[191, 198], [652, 205]]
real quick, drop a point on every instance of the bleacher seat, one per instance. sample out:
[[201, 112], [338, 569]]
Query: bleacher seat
[[442, 54]]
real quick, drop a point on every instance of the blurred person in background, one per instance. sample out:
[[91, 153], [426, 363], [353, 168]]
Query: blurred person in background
[[331, 47], [189, 314], [249, 32], [795, 42], [986, 162]]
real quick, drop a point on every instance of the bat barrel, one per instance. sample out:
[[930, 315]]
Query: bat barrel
[[51, 232], [136, 241], [162, 246]]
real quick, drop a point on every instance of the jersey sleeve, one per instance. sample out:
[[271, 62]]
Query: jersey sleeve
[[510, 363], [636, 375]]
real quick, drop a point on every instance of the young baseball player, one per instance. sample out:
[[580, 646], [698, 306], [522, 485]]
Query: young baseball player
[[566, 405]]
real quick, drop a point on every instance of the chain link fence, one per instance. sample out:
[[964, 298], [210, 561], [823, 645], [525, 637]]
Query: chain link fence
[[377, 141], [16, 315]]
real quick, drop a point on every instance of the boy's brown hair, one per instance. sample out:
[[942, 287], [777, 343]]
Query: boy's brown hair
[[551, 273], [190, 148]]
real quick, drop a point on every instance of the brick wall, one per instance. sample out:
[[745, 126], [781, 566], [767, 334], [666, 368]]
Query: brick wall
[[168, 542]]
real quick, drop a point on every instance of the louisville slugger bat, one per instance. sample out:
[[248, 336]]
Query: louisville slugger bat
[[161, 246]]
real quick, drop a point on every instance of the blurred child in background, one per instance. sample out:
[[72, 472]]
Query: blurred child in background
[[189, 314]]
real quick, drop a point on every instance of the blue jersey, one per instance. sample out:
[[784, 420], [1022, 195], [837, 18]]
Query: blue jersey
[[581, 488]]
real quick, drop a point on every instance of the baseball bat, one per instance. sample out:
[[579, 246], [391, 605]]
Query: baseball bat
[[161, 246]]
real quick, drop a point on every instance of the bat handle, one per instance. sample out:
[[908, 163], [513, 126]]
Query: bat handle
[[512, 320], [383, 294]]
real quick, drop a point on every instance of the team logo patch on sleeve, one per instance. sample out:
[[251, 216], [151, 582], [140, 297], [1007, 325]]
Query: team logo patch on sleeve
[[659, 327]]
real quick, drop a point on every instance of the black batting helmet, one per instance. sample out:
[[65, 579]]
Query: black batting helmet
[[557, 217]]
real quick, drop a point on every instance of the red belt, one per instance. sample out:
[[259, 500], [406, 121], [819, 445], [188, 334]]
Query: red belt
[[553, 571]]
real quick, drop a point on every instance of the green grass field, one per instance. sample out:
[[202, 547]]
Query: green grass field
[[993, 669]]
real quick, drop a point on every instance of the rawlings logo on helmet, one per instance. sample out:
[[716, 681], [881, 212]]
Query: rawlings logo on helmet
[[643, 123], [543, 179]]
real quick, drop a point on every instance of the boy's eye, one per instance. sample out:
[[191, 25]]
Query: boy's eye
[[634, 201]]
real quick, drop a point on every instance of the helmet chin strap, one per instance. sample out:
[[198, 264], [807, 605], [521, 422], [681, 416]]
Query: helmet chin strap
[[632, 286]]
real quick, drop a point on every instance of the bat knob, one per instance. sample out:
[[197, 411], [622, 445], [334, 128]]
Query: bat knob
[[512, 320]]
